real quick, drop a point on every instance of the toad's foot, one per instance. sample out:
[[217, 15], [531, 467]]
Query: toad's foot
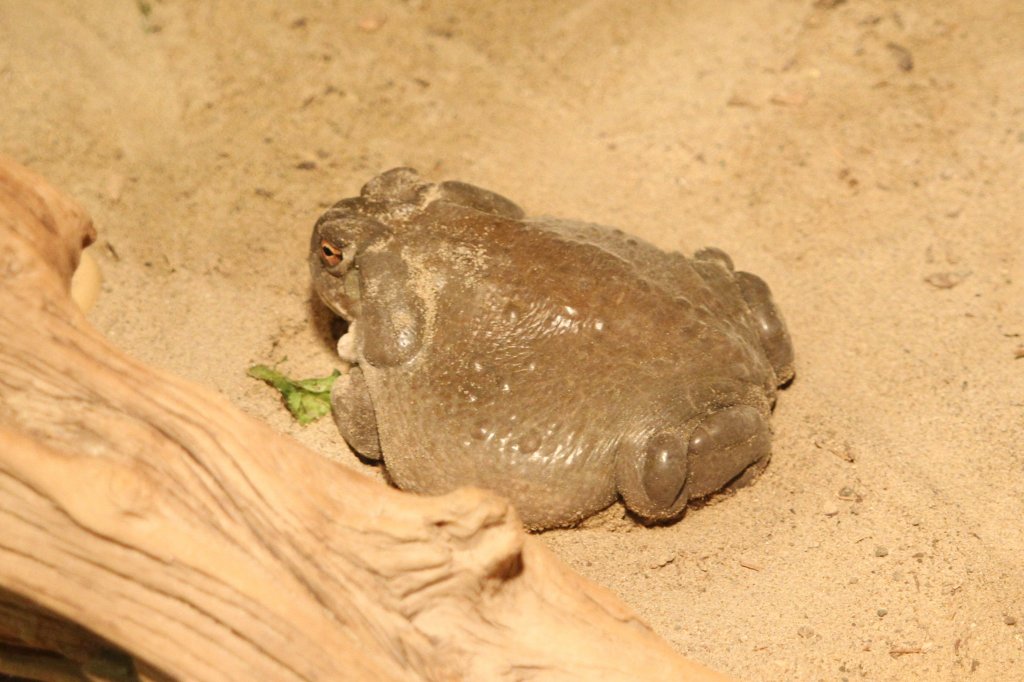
[[657, 481]]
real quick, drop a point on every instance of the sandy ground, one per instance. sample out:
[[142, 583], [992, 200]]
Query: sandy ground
[[865, 157]]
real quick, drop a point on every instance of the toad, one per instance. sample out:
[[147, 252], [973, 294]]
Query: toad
[[560, 363]]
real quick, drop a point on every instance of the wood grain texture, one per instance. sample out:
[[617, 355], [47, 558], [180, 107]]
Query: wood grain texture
[[170, 525]]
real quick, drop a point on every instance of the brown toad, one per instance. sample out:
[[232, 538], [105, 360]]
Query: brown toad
[[558, 363]]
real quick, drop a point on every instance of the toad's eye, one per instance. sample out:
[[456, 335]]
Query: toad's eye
[[329, 253]]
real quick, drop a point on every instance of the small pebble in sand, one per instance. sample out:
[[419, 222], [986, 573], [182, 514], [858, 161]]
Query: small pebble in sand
[[904, 59], [663, 560], [805, 632], [114, 186], [371, 24], [882, 613], [848, 494], [945, 280], [1009, 620], [881, 551], [830, 509]]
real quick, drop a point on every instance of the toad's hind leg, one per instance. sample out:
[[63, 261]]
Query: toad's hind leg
[[658, 477], [354, 415]]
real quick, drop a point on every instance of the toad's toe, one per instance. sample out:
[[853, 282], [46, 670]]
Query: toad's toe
[[652, 477], [771, 328], [724, 446]]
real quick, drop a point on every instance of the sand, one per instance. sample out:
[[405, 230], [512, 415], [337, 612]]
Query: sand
[[865, 157]]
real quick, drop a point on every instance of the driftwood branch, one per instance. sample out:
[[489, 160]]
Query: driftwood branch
[[169, 525]]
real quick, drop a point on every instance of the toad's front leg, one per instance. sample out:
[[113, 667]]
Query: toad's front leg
[[353, 413]]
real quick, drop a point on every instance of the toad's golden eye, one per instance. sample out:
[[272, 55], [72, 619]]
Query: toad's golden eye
[[329, 253]]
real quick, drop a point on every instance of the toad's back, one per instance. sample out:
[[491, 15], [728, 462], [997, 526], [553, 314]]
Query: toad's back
[[547, 344]]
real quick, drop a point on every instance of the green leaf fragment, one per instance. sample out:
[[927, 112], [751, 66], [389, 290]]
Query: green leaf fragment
[[306, 399]]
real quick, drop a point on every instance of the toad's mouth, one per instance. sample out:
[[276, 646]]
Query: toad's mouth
[[342, 298], [347, 305], [338, 303], [342, 309]]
